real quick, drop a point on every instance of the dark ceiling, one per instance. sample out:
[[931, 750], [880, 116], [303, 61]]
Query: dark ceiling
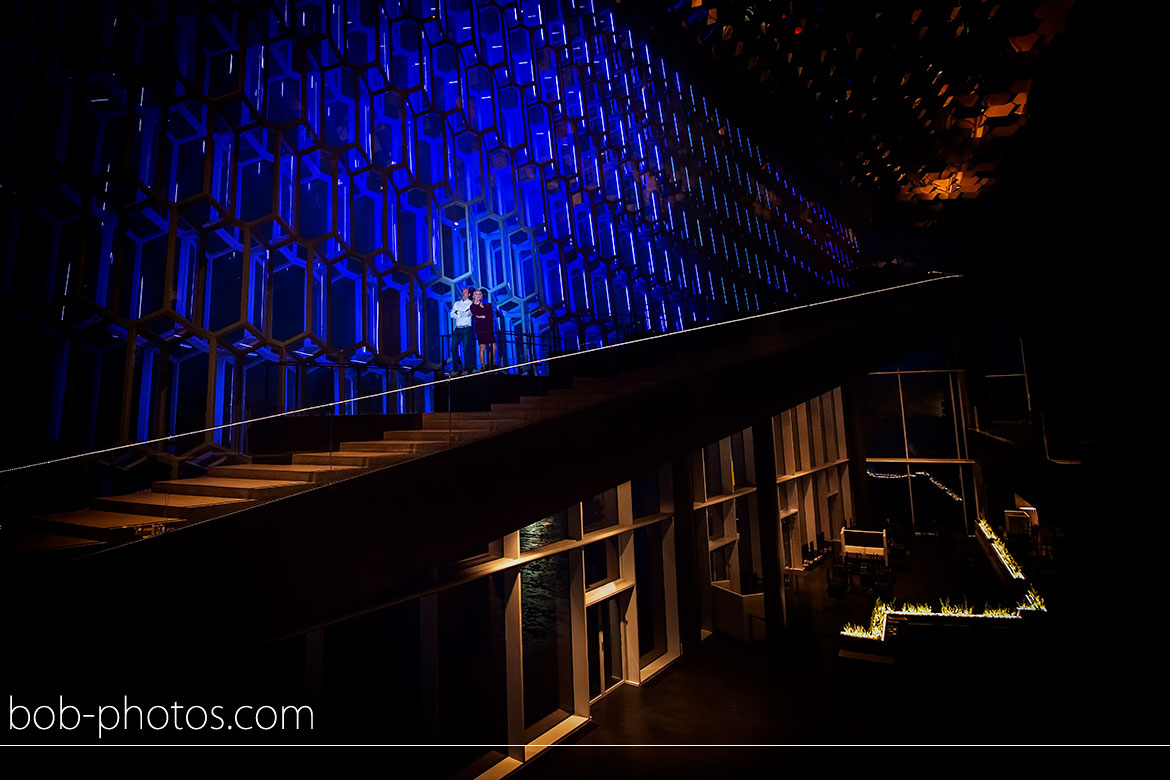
[[919, 123], [997, 139]]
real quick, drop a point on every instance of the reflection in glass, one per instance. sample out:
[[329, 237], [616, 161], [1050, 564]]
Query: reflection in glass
[[600, 511], [644, 493], [471, 699], [713, 470], [544, 599], [651, 592], [603, 628], [601, 565], [882, 415], [930, 415], [721, 564], [889, 493], [553, 528], [373, 681], [739, 475], [938, 505]]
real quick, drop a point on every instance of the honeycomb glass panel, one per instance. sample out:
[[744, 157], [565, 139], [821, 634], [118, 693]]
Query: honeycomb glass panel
[[278, 182]]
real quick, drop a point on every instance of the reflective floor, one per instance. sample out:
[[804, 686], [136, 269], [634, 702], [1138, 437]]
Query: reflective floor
[[1006, 689]]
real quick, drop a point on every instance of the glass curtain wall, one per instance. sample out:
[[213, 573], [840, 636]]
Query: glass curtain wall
[[921, 478]]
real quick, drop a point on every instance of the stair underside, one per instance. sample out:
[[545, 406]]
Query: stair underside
[[227, 489], [102, 526], [230, 487], [181, 505]]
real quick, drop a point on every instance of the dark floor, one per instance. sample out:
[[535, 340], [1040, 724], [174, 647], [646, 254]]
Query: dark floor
[[1041, 685]]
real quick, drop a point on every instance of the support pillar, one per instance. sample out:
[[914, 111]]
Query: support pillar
[[689, 535], [768, 506], [851, 413]]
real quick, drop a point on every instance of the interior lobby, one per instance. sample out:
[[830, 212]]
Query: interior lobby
[[813, 418]]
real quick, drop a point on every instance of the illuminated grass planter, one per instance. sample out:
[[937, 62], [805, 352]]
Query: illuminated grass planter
[[881, 611], [1032, 601], [1001, 550]]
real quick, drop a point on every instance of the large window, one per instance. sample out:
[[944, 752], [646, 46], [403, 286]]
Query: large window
[[471, 696], [373, 679], [882, 404], [651, 593], [921, 479], [600, 511], [546, 652], [601, 562], [551, 529], [644, 495], [931, 423]]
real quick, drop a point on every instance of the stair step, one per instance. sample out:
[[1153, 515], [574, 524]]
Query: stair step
[[564, 400], [364, 459], [465, 416], [428, 436], [261, 489], [399, 447], [103, 526], [22, 541], [187, 507], [608, 388], [299, 472], [439, 422]]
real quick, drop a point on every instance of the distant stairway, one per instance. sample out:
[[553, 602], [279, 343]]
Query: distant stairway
[[342, 524], [172, 504]]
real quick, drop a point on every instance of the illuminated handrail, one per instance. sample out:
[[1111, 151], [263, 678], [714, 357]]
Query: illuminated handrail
[[445, 380]]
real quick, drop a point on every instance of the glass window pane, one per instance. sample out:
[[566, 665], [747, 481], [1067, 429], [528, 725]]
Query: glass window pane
[[651, 592], [373, 685], [600, 511], [938, 508], [930, 415], [719, 563], [739, 475], [645, 495], [553, 528], [544, 599], [882, 416], [889, 495], [471, 696], [713, 470], [600, 562]]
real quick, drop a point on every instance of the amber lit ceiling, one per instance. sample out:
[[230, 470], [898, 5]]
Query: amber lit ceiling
[[922, 98]]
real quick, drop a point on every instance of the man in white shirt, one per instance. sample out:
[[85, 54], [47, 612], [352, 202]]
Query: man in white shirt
[[462, 334]]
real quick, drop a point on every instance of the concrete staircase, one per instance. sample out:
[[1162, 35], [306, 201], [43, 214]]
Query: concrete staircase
[[171, 504]]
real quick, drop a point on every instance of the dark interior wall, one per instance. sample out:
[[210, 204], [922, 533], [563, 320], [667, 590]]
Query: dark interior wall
[[1061, 247]]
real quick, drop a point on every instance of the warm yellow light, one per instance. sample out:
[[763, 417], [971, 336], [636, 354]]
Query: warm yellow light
[[881, 611], [1001, 551], [1033, 601], [877, 624]]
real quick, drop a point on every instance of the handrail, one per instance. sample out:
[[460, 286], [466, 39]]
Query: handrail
[[445, 380]]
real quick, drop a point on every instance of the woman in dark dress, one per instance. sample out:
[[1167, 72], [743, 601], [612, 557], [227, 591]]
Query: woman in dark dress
[[483, 318]]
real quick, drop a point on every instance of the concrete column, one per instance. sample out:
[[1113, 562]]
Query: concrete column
[[514, 666], [690, 539], [578, 633], [315, 668], [768, 506], [854, 435], [428, 640]]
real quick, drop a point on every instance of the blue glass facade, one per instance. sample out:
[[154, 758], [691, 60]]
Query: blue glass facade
[[235, 209]]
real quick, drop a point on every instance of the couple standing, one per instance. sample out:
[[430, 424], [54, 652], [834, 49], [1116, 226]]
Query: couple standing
[[473, 315]]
